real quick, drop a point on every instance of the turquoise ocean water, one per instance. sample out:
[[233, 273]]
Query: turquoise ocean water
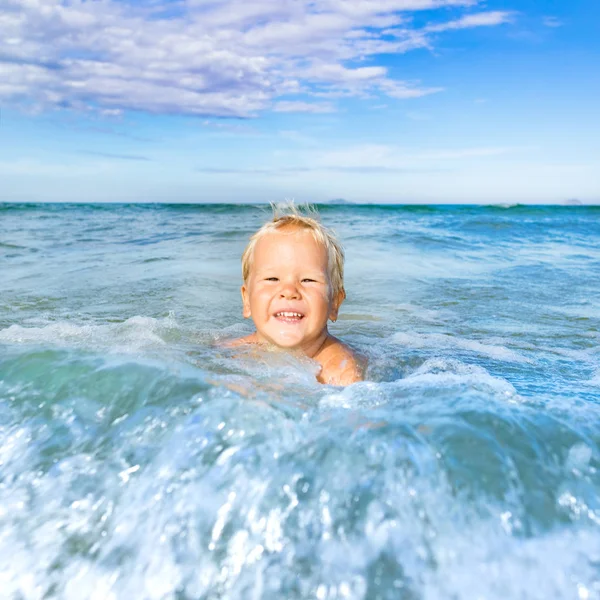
[[139, 460]]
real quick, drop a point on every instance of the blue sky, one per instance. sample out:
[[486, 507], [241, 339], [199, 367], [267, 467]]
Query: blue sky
[[246, 101]]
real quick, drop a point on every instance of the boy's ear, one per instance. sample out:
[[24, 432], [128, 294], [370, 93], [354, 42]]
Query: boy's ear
[[335, 305], [245, 302]]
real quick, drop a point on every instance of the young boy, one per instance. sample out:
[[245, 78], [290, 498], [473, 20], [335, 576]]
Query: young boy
[[293, 270]]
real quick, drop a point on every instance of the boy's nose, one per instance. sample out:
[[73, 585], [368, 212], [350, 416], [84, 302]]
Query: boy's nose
[[289, 292]]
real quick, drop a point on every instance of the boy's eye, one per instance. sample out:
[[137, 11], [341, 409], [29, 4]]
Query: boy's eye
[[272, 279], [309, 280]]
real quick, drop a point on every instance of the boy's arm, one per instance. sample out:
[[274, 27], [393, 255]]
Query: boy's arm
[[340, 365]]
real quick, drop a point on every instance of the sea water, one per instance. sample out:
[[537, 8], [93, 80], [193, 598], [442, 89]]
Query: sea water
[[140, 459]]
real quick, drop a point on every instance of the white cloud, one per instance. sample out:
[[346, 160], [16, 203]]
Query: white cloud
[[397, 89], [483, 19], [336, 73], [203, 57], [306, 107]]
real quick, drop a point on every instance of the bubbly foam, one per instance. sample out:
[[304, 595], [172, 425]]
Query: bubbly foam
[[595, 380], [441, 340], [218, 496], [133, 334]]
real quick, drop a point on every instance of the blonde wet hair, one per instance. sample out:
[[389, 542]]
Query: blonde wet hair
[[306, 217]]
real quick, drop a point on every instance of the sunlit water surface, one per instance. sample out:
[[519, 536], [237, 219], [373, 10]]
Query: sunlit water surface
[[141, 460]]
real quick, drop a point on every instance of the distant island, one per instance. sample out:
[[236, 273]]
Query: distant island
[[572, 202]]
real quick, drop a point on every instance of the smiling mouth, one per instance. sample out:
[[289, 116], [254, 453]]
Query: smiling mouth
[[289, 316]]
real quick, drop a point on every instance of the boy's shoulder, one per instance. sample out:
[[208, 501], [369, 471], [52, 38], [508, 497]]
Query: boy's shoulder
[[340, 365]]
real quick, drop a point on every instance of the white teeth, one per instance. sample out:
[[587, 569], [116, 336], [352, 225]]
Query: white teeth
[[289, 315]]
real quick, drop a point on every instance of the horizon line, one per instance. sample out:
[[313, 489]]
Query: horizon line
[[499, 204]]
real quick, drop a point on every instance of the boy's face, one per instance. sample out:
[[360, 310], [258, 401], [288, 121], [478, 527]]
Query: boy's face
[[288, 292]]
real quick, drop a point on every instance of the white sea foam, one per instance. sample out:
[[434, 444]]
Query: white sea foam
[[595, 380], [424, 314], [439, 373], [583, 310], [225, 499], [435, 374], [418, 265], [560, 564], [441, 340], [585, 356], [133, 334], [230, 529]]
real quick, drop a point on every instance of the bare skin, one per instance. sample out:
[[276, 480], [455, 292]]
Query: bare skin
[[289, 297]]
